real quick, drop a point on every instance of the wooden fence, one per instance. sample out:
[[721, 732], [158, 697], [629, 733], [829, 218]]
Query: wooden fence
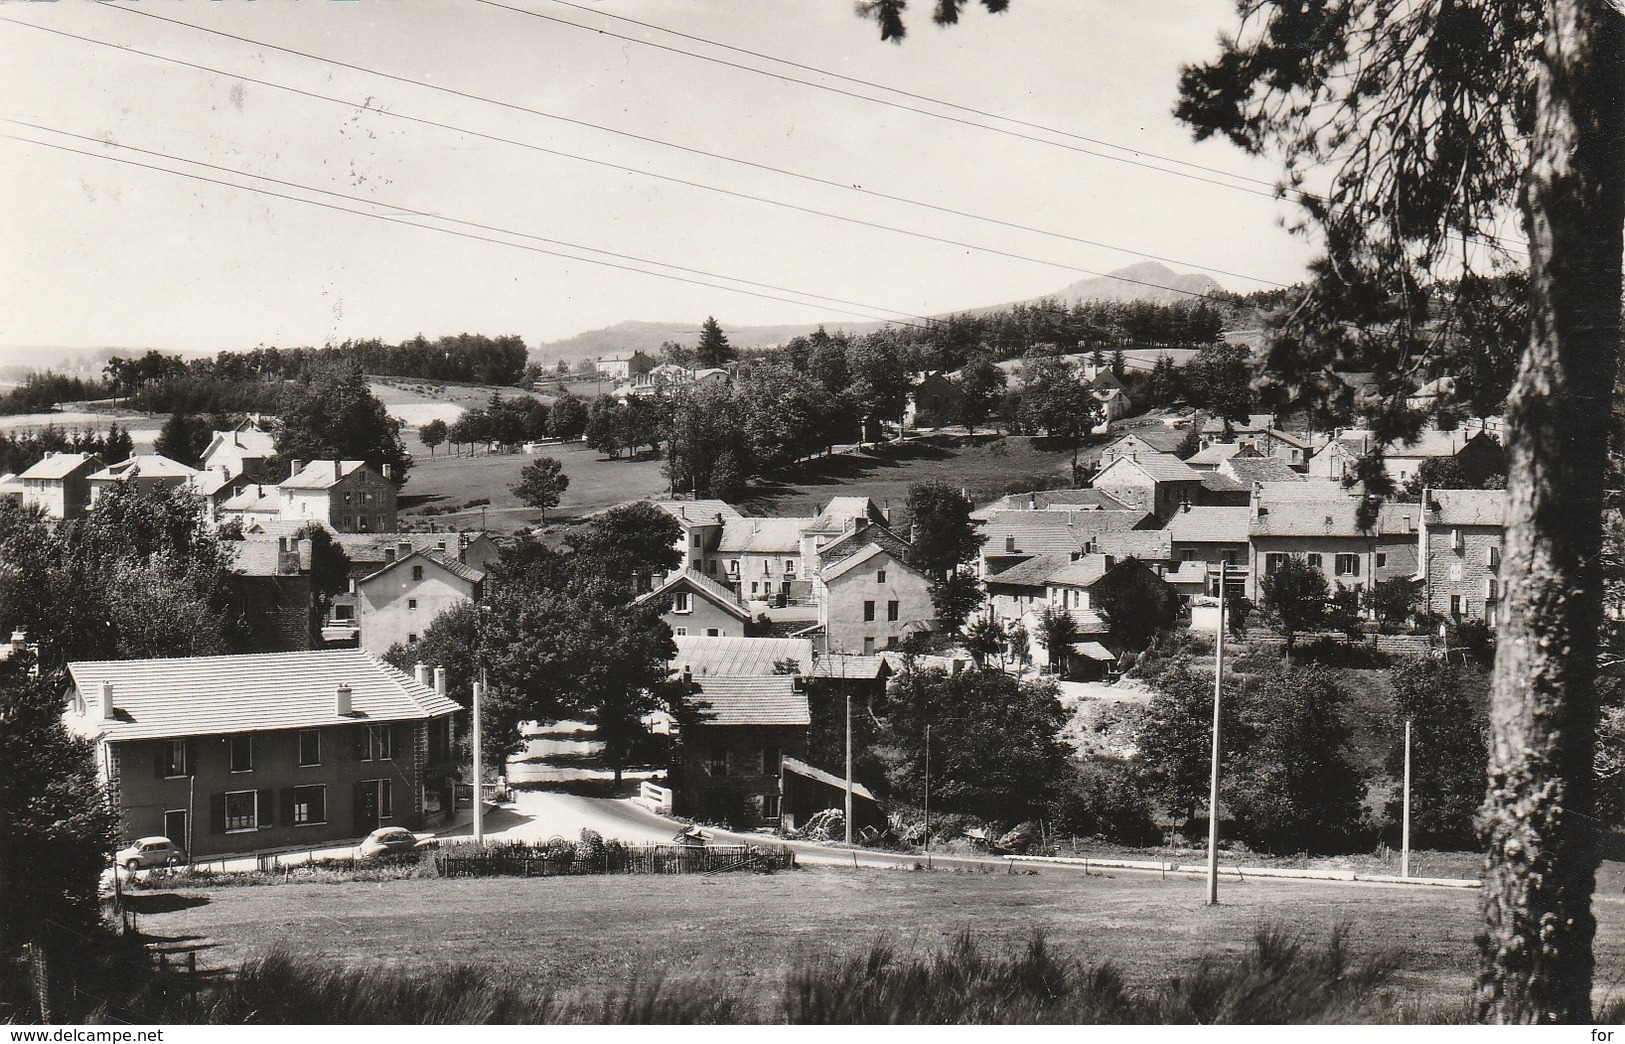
[[564, 860]]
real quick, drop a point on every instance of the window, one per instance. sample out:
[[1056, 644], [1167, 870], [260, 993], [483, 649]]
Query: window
[[880, 576], [868, 611], [1455, 570], [696, 540], [891, 610], [680, 632], [174, 760], [868, 645], [712, 632], [309, 806], [417, 573], [1315, 561], [412, 639], [719, 762], [1492, 589], [386, 799], [789, 569], [1187, 554], [349, 521], [682, 602], [310, 747], [1382, 559], [380, 743], [412, 604], [1274, 560], [891, 641], [733, 568], [242, 810], [770, 761], [1455, 605], [1348, 565], [711, 567], [344, 612], [753, 587], [1456, 541], [1492, 556], [242, 753]]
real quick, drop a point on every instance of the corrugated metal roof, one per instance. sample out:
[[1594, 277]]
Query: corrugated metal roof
[[797, 767], [60, 465], [750, 701], [211, 695], [1209, 525], [856, 666], [727, 657]]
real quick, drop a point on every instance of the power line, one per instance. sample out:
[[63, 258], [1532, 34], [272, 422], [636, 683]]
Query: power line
[[673, 145], [878, 101], [350, 104], [432, 228], [891, 90], [460, 221]]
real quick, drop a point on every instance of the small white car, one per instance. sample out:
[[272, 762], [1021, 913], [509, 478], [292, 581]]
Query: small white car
[[148, 852], [386, 840]]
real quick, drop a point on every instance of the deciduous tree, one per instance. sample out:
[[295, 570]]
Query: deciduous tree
[[541, 484]]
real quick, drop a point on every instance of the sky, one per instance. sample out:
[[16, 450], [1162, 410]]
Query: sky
[[95, 253]]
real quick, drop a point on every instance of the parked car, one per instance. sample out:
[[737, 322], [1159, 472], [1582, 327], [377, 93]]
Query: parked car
[[148, 852], [388, 840]]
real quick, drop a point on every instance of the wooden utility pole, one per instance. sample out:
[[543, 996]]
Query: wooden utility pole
[[1405, 824], [479, 769], [1213, 785]]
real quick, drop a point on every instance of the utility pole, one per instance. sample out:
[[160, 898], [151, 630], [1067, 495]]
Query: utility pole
[[848, 755], [1405, 827], [479, 767], [928, 797], [1213, 785]]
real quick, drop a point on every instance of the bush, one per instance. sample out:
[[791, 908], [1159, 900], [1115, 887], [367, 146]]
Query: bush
[[1475, 637], [1107, 798]]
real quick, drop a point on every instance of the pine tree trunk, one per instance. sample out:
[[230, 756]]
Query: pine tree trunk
[[1536, 944]]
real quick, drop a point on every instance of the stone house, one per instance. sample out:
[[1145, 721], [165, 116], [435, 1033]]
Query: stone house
[[624, 365], [1158, 483], [733, 750], [1462, 536], [869, 597], [345, 495]]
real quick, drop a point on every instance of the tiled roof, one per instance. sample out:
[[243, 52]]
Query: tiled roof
[[252, 443], [700, 584], [60, 465], [1467, 507], [1160, 467], [1080, 572], [468, 574], [1248, 470], [1148, 545], [859, 666], [255, 497], [1051, 499], [210, 482], [840, 512], [1399, 519], [209, 695], [1219, 482], [1431, 443], [1333, 517], [1031, 536], [1209, 525], [852, 545], [259, 556], [771, 700], [322, 474], [1187, 573], [1034, 572], [378, 547], [1308, 489], [1254, 422], [708, 657], [695, 511], [762, 536], [1214, 455], [1164, 440], [146, 465]]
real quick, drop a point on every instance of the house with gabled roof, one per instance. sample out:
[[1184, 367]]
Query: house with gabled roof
[[345, 495], [396, 604], [1328, 534], [1158, 483], [701, 524], [145, 472], [694, 604], [1143, 442], [705, 656], [734, 737], [1050, 500], [872, 598], [623, 365], [232, 460], [227, 755], [1015, 536], [59, 484], [1210, 536]]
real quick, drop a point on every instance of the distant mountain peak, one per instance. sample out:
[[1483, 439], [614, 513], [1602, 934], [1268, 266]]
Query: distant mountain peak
[[1150, 281]]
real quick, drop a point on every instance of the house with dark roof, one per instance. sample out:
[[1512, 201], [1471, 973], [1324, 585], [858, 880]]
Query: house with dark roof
[[1209, 537], [624, 365], [272, 581], [1158, 483], [694, 604], [1050, 500], [1462, 536], [1327, 533], [734, 736], [1015, 536], [1144, 442], [59, 484], [701, 524], [396, 604], [227, 755]]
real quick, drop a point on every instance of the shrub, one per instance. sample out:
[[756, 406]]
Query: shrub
[[1107, 798]]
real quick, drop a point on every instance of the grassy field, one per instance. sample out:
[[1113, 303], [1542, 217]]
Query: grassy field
[[988, 467], [591, 934]]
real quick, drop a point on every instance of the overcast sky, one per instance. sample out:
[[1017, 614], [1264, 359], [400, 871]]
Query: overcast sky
[[95, 253]]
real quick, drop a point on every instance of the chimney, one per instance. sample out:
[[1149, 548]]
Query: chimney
[[296, 467], [389, 472], [1032, 502], [688, 678], [108, 713], [420, 674], [440, 681], [341, 703], [1010, 545], [403, 548], [389, 553]]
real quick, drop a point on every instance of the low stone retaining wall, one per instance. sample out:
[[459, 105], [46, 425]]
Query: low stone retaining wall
[[1243, 872]]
